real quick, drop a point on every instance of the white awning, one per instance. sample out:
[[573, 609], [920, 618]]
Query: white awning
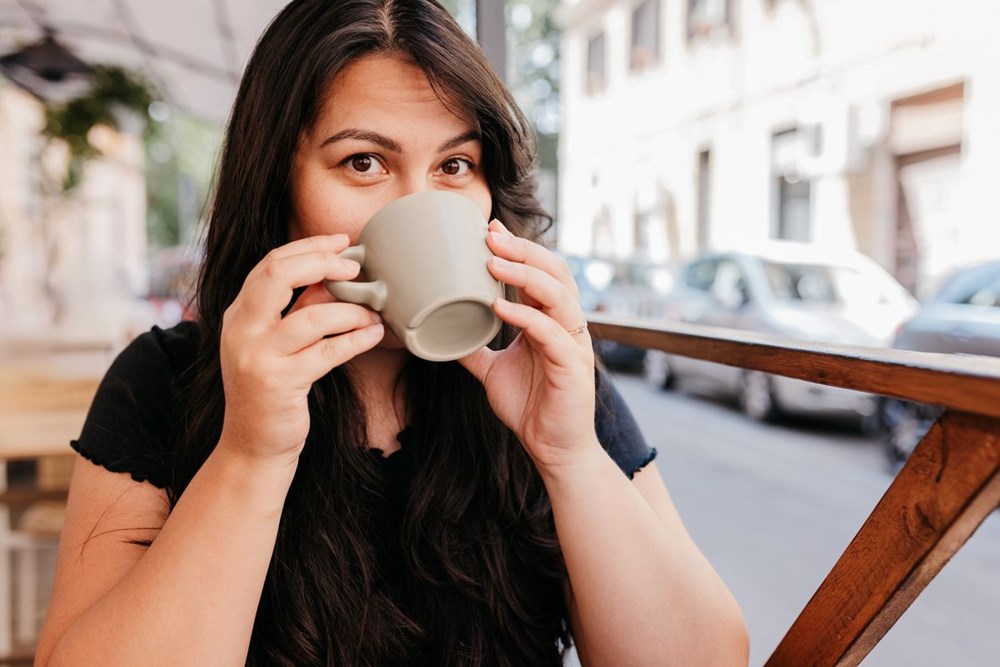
[[192, 50]]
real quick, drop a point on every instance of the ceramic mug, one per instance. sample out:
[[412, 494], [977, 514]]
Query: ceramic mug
[[425, 256]]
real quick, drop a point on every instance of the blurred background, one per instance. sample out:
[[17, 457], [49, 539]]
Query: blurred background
[[821, 170]]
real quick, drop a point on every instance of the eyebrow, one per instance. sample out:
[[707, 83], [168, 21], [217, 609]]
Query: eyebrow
[[465, 137], [392, 145]]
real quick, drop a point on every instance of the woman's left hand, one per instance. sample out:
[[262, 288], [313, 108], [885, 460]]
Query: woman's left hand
[[542, 385]]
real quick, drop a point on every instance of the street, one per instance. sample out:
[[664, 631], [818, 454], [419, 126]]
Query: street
[[773, 507]]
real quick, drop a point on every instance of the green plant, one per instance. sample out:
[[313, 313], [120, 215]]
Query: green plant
[[71, 122]]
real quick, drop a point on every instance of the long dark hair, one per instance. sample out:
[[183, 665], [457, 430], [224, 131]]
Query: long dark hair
[[476, 574]]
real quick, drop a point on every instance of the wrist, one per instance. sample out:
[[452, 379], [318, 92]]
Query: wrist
[[252, 465], [572, 465], [253, 451], [260, 485]]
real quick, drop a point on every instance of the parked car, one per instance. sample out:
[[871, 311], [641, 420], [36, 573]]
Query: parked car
[[793, 290], [630, 289], [962, 318]]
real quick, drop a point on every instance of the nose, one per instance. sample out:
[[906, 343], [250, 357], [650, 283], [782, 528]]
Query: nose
[[415, 183]]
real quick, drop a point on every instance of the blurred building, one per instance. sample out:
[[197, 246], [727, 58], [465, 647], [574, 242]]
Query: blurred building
[[869, 124], [71, 264]]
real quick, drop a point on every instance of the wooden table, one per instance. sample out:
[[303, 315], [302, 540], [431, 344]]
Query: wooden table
[[44, 437], [42, 407], [31, 435]]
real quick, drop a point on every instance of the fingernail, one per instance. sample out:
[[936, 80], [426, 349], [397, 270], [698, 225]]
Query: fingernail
[[500, 238], [373, 331], [501, 262]]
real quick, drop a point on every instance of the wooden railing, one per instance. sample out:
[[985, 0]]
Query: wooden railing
[[939, 498], [950, 484]]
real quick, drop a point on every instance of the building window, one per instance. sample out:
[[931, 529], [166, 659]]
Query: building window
[[794, 197], [704, 198], [651, 235], [602, 236], [706, 16], [596, 64], [645, 40], [792, 187]]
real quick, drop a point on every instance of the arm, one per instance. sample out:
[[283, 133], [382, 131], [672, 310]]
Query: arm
[[640, 592], [191, 598]]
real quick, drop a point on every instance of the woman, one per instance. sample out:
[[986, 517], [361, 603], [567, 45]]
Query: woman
[[281, 483]]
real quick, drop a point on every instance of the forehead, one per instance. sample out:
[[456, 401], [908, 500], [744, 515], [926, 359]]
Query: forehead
[[386, 91]]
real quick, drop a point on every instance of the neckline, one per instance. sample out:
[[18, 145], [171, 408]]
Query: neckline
[[380, 453], [400, 439]]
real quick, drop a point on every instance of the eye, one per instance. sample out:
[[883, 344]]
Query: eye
[[456, 166], [364, 163]]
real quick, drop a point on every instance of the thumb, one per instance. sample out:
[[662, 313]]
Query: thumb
[[479, 363]]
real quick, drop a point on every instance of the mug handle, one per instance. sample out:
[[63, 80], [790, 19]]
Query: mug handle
[[372, 294]]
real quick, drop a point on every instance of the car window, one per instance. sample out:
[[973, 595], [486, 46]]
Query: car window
[[971, 283], [987, 295], [819, 283], [801, 282], [729, 286], [701, 275]]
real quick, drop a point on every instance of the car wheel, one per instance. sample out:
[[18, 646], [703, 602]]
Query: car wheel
[[905, 425], [656, 369], [757, 397], [869, 424]]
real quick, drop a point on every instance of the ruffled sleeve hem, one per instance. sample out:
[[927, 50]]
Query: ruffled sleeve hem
[[117, 465], [642, 464]]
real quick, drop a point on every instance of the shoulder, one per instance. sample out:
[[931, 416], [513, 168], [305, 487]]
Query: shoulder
[[129, 427], [148, 366], [172, 348], [617, 429]]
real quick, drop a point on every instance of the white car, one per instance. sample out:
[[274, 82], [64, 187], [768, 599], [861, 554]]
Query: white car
[[793, 290]]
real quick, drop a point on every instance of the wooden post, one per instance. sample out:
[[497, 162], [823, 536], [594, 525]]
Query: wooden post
[[948, 487]]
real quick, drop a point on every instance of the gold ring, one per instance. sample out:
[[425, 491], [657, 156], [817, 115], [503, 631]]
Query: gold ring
[[579, 330]]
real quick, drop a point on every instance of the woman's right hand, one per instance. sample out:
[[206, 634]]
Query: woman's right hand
[[270, 362]]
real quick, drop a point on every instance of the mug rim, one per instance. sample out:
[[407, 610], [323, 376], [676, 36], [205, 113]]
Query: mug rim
[[418, 319]]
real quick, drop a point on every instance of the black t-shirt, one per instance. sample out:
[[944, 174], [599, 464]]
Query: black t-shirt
[[130, 430], [129, 426]]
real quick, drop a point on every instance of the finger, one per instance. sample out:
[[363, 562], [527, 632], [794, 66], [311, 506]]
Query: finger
[[268, 288], [311, 295], [308, 325], [321, 243], [554, 342], [497, 226], [504, 244], [553, 296], [502, 236], [323, 356], [479, 363]]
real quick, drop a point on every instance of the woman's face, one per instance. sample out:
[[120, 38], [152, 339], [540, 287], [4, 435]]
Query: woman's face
[[382, 134]]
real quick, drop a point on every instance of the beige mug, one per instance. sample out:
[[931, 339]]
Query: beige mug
[[425, 256]]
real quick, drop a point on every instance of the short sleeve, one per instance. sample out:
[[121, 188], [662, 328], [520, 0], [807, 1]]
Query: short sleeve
[[618, 431], [129, 427]]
